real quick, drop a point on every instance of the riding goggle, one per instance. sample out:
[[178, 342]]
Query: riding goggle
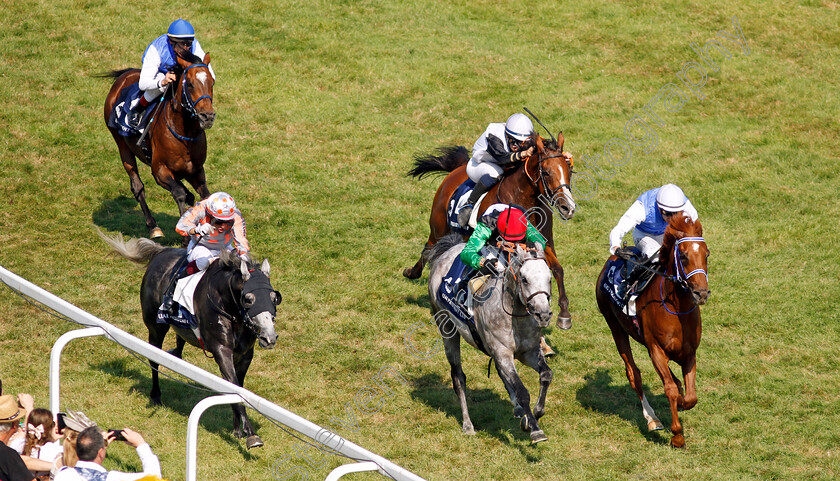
[[184, 43], [221, 223]]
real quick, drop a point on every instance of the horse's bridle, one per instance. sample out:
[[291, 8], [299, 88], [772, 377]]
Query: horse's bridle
[[187, 103], [243, 312], [518, 280], [542, 182], [681, 277]]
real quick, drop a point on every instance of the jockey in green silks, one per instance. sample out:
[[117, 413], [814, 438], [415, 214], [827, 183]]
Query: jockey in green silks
[[506, 222]]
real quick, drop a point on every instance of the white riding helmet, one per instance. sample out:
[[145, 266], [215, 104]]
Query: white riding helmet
[[519, 126], [671, 198], [221, 206]]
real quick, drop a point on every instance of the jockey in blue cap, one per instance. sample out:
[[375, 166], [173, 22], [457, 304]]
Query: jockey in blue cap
[[159, 61]]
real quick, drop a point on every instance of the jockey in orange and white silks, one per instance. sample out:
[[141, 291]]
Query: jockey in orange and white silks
[[213, 224], [501, 144], [648, 217], [159, 61]]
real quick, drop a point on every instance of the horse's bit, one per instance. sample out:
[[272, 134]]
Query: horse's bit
[[681, 277]]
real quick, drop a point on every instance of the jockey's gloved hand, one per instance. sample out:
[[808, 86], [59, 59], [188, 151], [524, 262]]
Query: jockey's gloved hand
[[204, 229], [493, 266], [624, 253]]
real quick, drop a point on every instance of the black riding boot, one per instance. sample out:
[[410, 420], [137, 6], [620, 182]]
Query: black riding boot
[[167, 303], [466, 211], [631, 278]]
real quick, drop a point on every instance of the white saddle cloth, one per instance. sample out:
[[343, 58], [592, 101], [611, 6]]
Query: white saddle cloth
[[184, 290]]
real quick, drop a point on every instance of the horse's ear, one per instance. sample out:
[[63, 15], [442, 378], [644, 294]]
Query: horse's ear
[[520, 252], [206, 59], [560, 141], [243, 267], [265, 268]]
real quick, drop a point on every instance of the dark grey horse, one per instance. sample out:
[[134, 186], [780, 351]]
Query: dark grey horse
[[510, 312], [234, 304]]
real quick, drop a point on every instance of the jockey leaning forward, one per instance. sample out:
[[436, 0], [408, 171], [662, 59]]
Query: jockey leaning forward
[[158, 63], [647, 218], [501, 222], [213, 225]]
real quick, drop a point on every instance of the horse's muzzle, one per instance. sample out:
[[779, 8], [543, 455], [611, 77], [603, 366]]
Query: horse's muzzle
[[543, 319], [268, 342], [206, 119], [700, 296]]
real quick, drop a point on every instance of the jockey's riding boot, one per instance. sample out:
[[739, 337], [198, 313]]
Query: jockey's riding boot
[[133, 115], [466, 211], [167, 303], [632, 277]]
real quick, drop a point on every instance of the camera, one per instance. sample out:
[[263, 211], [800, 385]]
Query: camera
[[59, 417], [118, 434]]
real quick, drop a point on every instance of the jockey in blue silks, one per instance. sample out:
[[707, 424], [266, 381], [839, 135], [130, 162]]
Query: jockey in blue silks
[[159, 61], [647, 218]]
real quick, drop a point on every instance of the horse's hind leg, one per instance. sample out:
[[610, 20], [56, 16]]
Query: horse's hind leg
[[417, 270], [129, 162], [157, 333], [634, 376], [452, 347], [178, 350]]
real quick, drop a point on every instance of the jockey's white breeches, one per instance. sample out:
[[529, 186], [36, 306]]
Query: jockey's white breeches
[[649, 244], [202, 256], [485, 172]]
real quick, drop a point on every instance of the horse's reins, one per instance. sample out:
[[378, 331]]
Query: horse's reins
[[187, 102]]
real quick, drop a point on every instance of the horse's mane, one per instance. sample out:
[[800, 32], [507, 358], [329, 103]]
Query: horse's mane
[[548, 143], [678, 227], [230, 260], [190, 57], [432, 254]]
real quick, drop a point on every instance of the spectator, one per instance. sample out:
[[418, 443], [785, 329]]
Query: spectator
[[41, 441], [91, 448], [12, 467]]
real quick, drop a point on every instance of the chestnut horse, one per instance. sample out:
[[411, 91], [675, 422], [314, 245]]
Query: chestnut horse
[[668, 320], [176, 140], [542, 181]]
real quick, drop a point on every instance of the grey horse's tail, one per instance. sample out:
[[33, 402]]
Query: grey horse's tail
[[431, 255], [140, 251]]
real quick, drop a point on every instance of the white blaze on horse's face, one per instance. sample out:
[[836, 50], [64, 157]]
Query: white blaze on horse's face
[[201, 77], [265, 324], [535, 284]]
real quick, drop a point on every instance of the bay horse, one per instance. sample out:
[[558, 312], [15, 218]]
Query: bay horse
[[540, 184], [669, 323], [234, 305], [176, 140], [510, 312]]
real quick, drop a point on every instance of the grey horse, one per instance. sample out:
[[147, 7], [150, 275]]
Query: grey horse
[[510, 312]]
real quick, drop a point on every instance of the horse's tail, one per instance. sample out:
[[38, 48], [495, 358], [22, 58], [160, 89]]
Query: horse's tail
[[432, 254], [447, 160], [140, 251], [113, 73]]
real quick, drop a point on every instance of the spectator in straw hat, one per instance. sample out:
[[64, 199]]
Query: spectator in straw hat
[[12, 467]]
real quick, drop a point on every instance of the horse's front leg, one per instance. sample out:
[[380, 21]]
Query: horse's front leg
[[689, 370], [166, 179], [564, 318], [536, 361], [672, 392], [224, 358], [507, 371], [241, 364]]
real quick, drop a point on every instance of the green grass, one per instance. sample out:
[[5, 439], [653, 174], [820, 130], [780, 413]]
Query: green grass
[[321, 107]]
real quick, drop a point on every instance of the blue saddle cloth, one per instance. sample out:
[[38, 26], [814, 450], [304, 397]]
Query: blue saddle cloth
[[452, 294], [118, 115], [184, 319], [452, 214], [612, 279]]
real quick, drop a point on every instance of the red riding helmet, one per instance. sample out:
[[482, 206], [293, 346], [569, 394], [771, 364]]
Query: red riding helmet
[[512, 224]]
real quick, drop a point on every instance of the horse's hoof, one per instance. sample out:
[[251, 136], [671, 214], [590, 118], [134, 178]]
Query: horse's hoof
[[538, 436], [408, 273], [678, 441], [468, 428], [564, 323], [155, 233], [655, 425], [254, 441]]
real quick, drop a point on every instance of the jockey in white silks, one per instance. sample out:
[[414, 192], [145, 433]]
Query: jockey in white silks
[[159, 61], [499, 146], [647, 218]]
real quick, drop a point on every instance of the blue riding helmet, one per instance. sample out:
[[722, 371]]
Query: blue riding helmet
[[181, 29]]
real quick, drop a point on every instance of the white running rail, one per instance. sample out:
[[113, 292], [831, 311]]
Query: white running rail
[[265, 407]]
